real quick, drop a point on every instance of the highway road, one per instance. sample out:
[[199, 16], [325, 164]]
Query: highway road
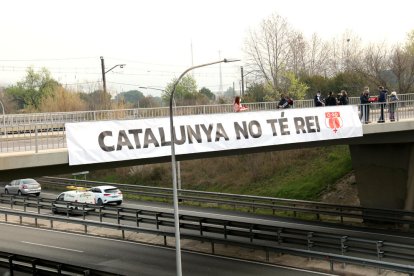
[[149, 255], [126, 258]]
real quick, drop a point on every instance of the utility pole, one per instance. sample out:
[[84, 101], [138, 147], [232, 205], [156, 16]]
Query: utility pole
[[103, 101], [104, 81]]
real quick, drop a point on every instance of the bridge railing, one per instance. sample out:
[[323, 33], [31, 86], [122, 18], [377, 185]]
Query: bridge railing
[[122, 114], [42, 131]]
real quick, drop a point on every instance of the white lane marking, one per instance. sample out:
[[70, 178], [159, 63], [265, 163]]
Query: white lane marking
[[172, 249], [51, 246]]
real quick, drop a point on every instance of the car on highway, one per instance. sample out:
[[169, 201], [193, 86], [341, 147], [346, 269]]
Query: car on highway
[[24, 186], [77, 196], [107, 194]]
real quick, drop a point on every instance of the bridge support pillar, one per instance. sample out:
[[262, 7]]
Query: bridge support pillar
[[384, 175]]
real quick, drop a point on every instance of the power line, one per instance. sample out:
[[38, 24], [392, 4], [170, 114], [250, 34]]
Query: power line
[[44, 59]]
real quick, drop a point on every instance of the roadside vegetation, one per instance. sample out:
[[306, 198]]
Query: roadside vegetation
[[297, 174]]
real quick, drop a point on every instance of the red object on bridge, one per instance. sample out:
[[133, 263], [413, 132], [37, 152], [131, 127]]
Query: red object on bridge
[[373, 99]]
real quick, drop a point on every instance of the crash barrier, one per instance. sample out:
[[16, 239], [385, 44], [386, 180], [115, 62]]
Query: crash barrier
[[32, 132], [228, 229], [343, 214], [37, 266]]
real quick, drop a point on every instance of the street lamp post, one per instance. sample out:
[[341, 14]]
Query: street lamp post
[[104, 72], [173, 165]]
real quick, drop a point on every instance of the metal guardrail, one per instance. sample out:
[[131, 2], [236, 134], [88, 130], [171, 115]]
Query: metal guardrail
[[228, 229], [37, 266], [320, 211], [38, 131], [248, 235]]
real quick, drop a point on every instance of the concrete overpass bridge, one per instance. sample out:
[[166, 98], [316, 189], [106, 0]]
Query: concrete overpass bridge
[[383, 158]]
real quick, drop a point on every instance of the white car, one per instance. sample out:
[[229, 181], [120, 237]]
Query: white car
[[86, 197], [107, 194]]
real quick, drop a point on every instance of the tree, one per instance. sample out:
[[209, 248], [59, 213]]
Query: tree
[[317, 57], [315, 83], [96, 100], [402, 65], [296, 89], [62, 100], [375, 62], [409, 45], [297, 58], [268, 49], [350, 81], [207, 92], [132, 97], [185, 91], [30, 92], [259, 92], [150, 101]]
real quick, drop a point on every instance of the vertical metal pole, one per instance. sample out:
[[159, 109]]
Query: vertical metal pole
[[178, 162], [4, 116], [175, 193], [174, 167], [36, 141], [242, 80], [179, 174], [103, 80]]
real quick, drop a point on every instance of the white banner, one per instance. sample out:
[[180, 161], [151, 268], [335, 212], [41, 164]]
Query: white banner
[[106, 141]]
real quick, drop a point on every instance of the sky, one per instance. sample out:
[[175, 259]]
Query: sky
[[157, 40]]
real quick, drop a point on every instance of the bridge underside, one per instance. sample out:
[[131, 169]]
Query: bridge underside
[[385, 175]]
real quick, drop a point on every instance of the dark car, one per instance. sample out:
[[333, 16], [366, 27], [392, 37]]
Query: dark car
[[23, 187]]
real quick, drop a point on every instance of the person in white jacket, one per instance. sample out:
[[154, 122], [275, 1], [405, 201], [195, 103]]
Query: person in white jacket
[[392, 105]]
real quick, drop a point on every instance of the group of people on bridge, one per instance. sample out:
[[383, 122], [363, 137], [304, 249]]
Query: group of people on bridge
[[342, 99], [382, 99]]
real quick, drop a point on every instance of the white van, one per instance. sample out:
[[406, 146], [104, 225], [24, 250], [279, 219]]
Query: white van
[[73, 196]]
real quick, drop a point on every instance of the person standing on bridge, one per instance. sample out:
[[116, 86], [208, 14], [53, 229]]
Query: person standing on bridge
[[331, 100], [318, 99], [392, 106], [365, 105], [237, 106], [382, 99], [343, 98]]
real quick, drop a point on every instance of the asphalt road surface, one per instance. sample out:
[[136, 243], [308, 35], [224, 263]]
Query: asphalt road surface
[[125, 258]]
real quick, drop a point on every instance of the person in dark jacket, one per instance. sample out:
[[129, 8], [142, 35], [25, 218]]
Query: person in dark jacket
[[343, 99], [382, 99], [365, 105], [284, 102], [331, 100]]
